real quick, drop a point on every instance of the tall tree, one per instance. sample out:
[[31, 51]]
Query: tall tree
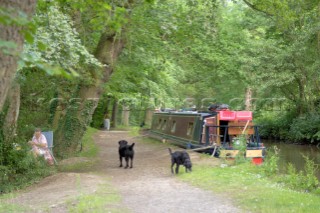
[[106, 49], [289, 62], [14, 16]]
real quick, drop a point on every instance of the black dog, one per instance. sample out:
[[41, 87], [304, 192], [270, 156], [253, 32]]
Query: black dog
[[126, 151], [180, 158]]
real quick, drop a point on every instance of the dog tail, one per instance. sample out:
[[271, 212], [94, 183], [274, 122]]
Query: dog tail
[[170, 151], [131, 146]]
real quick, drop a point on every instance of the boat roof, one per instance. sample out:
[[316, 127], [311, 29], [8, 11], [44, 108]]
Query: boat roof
[[189, 113]]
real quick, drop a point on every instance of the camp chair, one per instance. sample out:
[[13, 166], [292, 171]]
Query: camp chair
[[49, 137]]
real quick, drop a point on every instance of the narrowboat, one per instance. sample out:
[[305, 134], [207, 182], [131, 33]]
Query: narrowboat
[[216, 132]]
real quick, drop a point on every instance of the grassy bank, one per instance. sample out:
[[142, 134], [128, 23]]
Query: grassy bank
[[255, 188], [250, 190], [84, 160]]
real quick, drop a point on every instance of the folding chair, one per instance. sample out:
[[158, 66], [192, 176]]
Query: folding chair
[[49, 137]]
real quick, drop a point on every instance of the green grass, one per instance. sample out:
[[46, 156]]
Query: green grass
[[250, 190], [106, 199], [86, 158], [89, 148], [78, 166], [8, 207], [132, 130], [4, 208]]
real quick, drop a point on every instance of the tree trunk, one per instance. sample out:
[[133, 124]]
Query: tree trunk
[[11, 33], [125, 115], [114, 114], [58, 113], [79, 114], [12, 114], [73, 125], [248, 99], [302, 98]]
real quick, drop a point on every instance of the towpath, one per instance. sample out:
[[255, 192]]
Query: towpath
[[148, 187]]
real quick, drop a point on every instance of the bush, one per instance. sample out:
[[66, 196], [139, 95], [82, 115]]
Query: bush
[[303, 180], [18, 167], [270, 165], [275, 125], [305, 128]]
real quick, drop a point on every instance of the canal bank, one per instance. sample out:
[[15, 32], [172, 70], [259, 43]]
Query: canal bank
[[294, 154]]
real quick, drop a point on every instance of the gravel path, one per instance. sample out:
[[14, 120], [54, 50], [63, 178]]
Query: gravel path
[[150, 186]]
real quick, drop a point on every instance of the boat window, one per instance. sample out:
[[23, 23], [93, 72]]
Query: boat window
[[190, 128], [159, 123], [173, 128], [164, 125]]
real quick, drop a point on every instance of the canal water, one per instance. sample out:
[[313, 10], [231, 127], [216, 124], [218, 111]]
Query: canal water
[[293, 153]]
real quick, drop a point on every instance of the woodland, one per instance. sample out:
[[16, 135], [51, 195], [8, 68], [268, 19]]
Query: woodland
[[69, 64]]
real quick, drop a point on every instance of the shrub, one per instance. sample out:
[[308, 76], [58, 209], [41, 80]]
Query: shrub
[[18, 167], [275, 125], [306, 128], [303, 180], [270, 165]]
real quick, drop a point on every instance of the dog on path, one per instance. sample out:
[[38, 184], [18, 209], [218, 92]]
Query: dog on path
[[180, 158], [126, 151]]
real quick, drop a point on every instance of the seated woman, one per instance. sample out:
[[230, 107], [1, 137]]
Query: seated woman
[[40, 146]]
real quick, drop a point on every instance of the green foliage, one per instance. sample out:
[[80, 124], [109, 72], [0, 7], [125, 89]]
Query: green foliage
[[306, 128], [35, 98], [275, 124], [7, 46], [102, 111], [240, 144], [89, 148], [95, 17], [65, 50], [303, 180], [271, 162], [285, 125], [286, 58], [19, 167], [162, 52], [9, 16]]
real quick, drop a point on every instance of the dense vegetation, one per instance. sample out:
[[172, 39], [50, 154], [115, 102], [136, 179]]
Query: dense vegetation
[[68, 64]]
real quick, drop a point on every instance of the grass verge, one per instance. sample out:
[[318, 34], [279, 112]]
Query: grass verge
[[252, 192]]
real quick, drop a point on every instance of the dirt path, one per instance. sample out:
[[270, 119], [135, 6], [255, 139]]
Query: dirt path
[[148, 187]]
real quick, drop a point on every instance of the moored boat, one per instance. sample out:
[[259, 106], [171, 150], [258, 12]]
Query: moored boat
[[218, 132]]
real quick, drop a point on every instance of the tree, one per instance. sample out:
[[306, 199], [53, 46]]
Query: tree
[[13, 19], [289, 61]]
